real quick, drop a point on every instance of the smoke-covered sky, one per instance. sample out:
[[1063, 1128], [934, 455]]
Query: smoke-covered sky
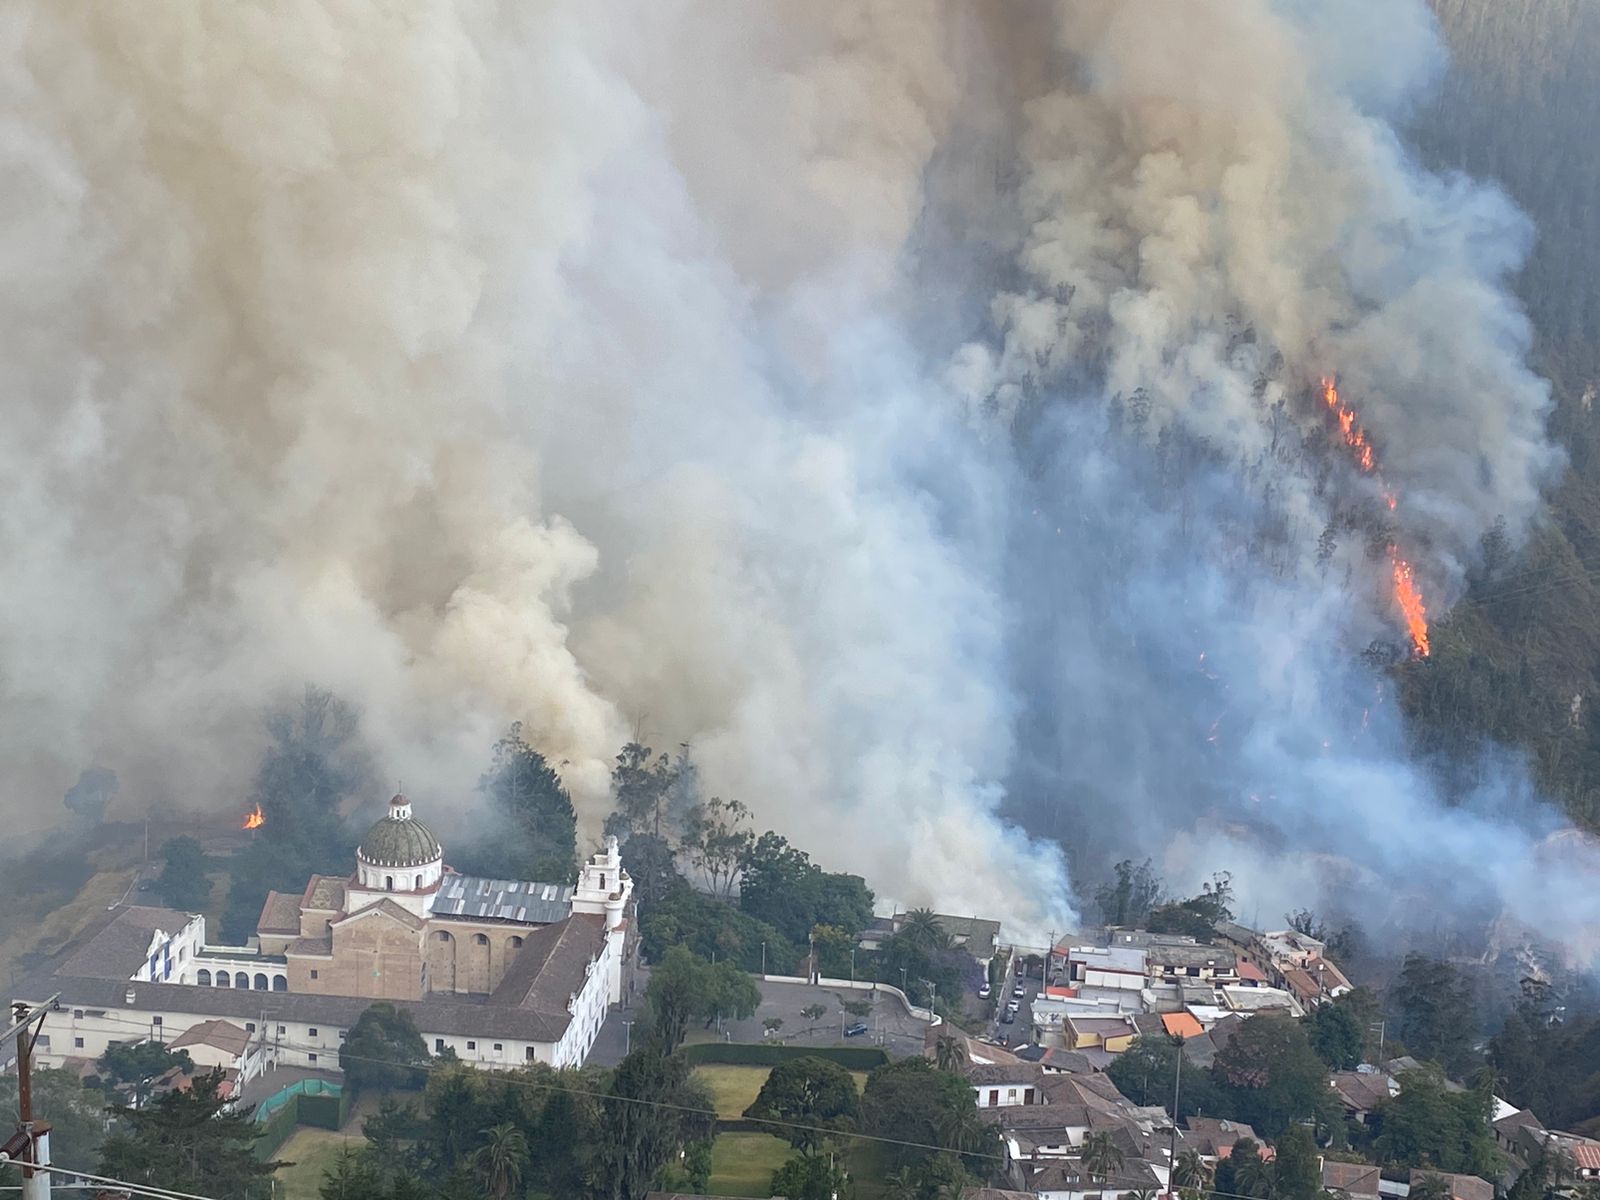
[[892, 400]]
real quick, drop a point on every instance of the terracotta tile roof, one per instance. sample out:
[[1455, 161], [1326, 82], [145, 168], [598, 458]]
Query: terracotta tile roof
[[552, 965], [322, 947], [385, 908], [1248, 970], [117, 948], [1181, 1025], [224, 1035], [1356, 1179], [280, 914]]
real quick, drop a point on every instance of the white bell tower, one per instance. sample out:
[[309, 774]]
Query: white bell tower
[[604, 889]]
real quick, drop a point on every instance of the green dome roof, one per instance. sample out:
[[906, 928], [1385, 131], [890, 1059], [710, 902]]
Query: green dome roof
[[399, 840]]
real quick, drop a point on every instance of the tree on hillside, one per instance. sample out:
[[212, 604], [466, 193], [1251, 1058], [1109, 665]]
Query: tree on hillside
[[708, 926], [684, 986], [653, 866], [383, 1050], [77, 1114], [1298, 1174], [182, 882], [190, 1141], [1199, 915], [783, 887], [1239, 1170], [641, 790], [501, 1160], [810, 1177], [542, 839], [1437, 1013], [1429, 1125], [949, 1053], [909, 1102], [1144, 1071], [313, 763], [1430, 1187], [1272, 1075], [1129, 897], [718, 840], [810, 1096], [1335, 1036], [653, 1110], [135, 1065], [88, 798], [921, 929]]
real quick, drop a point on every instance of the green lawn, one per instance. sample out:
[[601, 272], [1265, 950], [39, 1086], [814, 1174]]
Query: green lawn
[[736, 1088], [312, 1151], [742, 1163]]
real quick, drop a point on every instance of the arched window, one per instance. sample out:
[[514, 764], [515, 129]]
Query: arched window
[[280, 983], [388, 883], [224, 979], [516, 943], [261, 983], [241, 980], [602, 883], [444, 936], [479, 939], [416, 883], [203, 977]]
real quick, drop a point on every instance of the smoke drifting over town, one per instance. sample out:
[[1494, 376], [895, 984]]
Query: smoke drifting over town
[[914, 408]]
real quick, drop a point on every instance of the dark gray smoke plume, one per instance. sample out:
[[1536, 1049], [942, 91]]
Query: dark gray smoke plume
[[727, 373]]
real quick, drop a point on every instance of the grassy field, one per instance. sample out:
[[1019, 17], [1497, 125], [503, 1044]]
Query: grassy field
[[736, 1088], [312, 1151], [742, 1163]]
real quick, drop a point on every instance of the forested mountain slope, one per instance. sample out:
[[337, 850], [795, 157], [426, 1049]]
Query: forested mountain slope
[[1518, 662]]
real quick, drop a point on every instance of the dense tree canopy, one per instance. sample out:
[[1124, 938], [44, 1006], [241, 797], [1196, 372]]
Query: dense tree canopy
[[384, 1050], [190, 1141], [684, 986], [1273, 1075], [784, 888], [182, 883], [810, 1096]]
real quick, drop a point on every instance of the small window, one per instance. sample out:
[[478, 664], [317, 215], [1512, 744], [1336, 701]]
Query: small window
[[155, 1020], [311, 1033], [479, 939], [312, 1057], [341, 1035], [388, 883], [77, 1014], [77, 1043], [313, 972], [203, 977], [472, 1045], [516, 943], [438, 1045], [249, 1026], [280, 984], [42, 1040], [416, 883], [282, 1029], [528, 1053], [498, 1046]]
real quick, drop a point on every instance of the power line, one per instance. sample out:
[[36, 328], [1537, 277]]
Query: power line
[[137, 1189]]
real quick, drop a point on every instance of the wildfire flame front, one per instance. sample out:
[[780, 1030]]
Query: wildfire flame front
[[255, 818], [1407, 595]]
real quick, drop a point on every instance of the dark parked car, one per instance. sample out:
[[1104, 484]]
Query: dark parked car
[[856, 1030], [1009, 1018]]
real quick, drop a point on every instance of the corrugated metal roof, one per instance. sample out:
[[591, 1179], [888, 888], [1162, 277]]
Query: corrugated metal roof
[[503, 899]]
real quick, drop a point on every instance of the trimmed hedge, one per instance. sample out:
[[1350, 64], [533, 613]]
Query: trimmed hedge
[[745, 1054]]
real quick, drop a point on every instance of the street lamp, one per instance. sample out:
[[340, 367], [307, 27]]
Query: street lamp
[[903, 985], [852, 964], [763, 960], [627, 1038]]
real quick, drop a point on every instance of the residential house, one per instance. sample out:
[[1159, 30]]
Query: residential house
[[1354, 1181], [1362, 1093], [1202, 1051], [1004, 1085], [1111, 1034], [1462, 1187], [1508, 1132], [222, 1044], [1119, 968], [1215, 1139], [1261, 999], [978, 937]]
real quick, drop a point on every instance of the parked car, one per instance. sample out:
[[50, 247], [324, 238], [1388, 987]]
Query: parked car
[[1008, 1017], [1019, 991], [983, 990], [856, 1030]]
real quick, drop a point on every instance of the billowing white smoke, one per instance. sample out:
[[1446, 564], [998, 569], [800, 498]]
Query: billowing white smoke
[[575, 364], [499, 362]]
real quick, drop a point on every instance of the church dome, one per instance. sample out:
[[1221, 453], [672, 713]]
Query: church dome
[[399, 840]]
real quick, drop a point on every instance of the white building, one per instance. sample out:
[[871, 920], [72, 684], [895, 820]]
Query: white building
[[148, 973]]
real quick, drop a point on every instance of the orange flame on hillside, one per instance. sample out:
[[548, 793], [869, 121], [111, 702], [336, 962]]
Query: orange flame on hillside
[[255, 818], [1407, 595]]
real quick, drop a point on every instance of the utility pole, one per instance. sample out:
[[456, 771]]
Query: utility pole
[[31, 1142], [1172, 1141], [763, 960]]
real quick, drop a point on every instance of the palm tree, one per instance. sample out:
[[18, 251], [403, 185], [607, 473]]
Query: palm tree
[[499, 1162], [1190, 1171], [1431, 1187], [1140, 1194], [1258, 1177], [1101, 1156], [921, 928], [948, 1053]]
